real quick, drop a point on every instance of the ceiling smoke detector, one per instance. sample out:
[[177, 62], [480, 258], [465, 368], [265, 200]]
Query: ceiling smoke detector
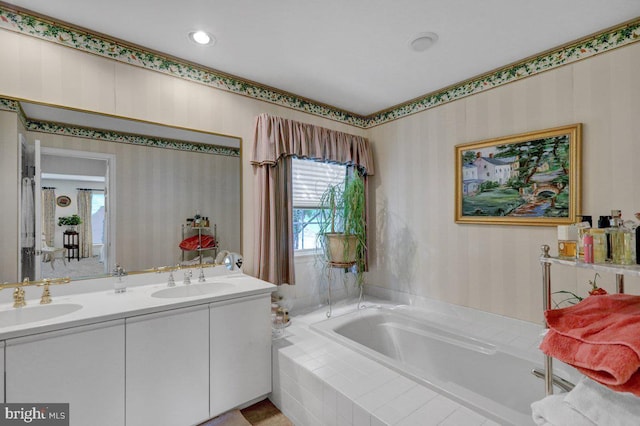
[[423, 41], [202, 38]]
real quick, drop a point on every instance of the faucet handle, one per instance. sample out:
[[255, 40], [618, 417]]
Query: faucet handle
[[18, 298], [45, 299]]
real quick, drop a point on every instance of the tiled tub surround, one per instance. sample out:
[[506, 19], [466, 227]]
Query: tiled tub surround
[[318, 380]]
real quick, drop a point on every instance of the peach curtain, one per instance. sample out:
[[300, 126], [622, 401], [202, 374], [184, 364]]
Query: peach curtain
[[276, 137], [276, 140], [49, 215], [84, 229]]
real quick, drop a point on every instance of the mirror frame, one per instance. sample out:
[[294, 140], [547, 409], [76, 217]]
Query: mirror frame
[[13, 104]]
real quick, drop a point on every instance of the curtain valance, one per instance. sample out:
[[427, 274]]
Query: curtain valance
[[276, 137]]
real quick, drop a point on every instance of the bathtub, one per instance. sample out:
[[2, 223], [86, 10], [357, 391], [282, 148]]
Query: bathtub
[[486, 376]]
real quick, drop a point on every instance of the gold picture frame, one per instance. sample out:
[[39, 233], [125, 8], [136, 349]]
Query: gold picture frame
[[63, 201], [525, 179]]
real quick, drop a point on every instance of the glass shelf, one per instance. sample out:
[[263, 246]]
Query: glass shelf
[[546, 261], [631, 270]]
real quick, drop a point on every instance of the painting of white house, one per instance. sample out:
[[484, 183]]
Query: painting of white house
[[526, 179]]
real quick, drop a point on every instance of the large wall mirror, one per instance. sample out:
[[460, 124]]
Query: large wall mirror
[[135, 185]]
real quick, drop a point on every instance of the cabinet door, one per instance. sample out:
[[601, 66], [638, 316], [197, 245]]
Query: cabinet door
[[240, 352], [168, 368], [82, 366]]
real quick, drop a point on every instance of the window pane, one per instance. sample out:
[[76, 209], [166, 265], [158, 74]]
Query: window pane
[[97, 217], [310, 181], [305, 228]]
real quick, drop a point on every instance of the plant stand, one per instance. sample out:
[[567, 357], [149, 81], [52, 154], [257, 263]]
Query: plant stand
[[71, 242], [332, 266]]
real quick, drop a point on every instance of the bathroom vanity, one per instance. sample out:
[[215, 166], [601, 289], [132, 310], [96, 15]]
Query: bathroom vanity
[[153, 355]]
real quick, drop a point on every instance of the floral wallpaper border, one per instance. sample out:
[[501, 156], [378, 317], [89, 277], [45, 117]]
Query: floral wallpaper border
[[602, 42], [13, 106], [112, 136], [33, 25]]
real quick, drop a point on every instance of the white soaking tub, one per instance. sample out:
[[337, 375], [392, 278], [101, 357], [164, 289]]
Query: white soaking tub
[[487, 376]]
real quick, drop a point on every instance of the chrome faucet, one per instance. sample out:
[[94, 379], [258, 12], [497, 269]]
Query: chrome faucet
[[171, 281]]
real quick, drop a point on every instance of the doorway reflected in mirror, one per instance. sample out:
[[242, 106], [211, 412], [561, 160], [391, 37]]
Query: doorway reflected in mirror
[[82, 180]]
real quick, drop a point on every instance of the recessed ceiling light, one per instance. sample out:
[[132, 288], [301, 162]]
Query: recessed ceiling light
[[422, 41], [202, 38]]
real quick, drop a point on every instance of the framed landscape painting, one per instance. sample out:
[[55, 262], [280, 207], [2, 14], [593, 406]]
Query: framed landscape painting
[[526, 179]]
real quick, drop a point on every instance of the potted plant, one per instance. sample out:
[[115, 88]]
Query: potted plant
[[343, 226], [70, 221]]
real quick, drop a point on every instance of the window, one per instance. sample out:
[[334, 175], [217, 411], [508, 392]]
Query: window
[[310, 180], [97, 217]]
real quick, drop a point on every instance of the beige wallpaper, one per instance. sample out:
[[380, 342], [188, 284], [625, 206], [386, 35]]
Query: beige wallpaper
[[9, 191], [420, 250], [44, 72]]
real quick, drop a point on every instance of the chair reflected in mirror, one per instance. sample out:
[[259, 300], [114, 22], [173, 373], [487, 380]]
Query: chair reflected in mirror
[[49, 254]]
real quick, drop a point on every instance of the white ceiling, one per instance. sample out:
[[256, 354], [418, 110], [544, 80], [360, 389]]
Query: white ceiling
[[351, 54]]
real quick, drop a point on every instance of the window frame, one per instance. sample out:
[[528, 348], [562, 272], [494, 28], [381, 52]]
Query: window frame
[[300, 252]]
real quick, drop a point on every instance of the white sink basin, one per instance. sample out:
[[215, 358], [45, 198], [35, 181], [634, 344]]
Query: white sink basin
[[19, 316], [191, 290]]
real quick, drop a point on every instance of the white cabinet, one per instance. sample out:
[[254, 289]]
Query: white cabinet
[[240, 352], [167, 358], [82, 366]]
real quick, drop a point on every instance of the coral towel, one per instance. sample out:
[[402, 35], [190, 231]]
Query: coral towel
[[195, 242], [601, 337]]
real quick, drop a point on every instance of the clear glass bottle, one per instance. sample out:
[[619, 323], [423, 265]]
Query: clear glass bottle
[[599, 245], [629, 234], [616, 238]]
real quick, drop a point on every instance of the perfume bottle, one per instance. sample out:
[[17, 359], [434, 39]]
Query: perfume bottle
[[567, 241], [637, 232], [583, 229], [616, 238], [629, 242], [587, 245], [599, 245]]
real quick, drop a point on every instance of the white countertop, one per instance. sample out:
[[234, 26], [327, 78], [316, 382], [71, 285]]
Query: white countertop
[[106, 305]]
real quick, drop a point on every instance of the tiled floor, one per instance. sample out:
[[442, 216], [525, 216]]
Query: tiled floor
[[319, 382]]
